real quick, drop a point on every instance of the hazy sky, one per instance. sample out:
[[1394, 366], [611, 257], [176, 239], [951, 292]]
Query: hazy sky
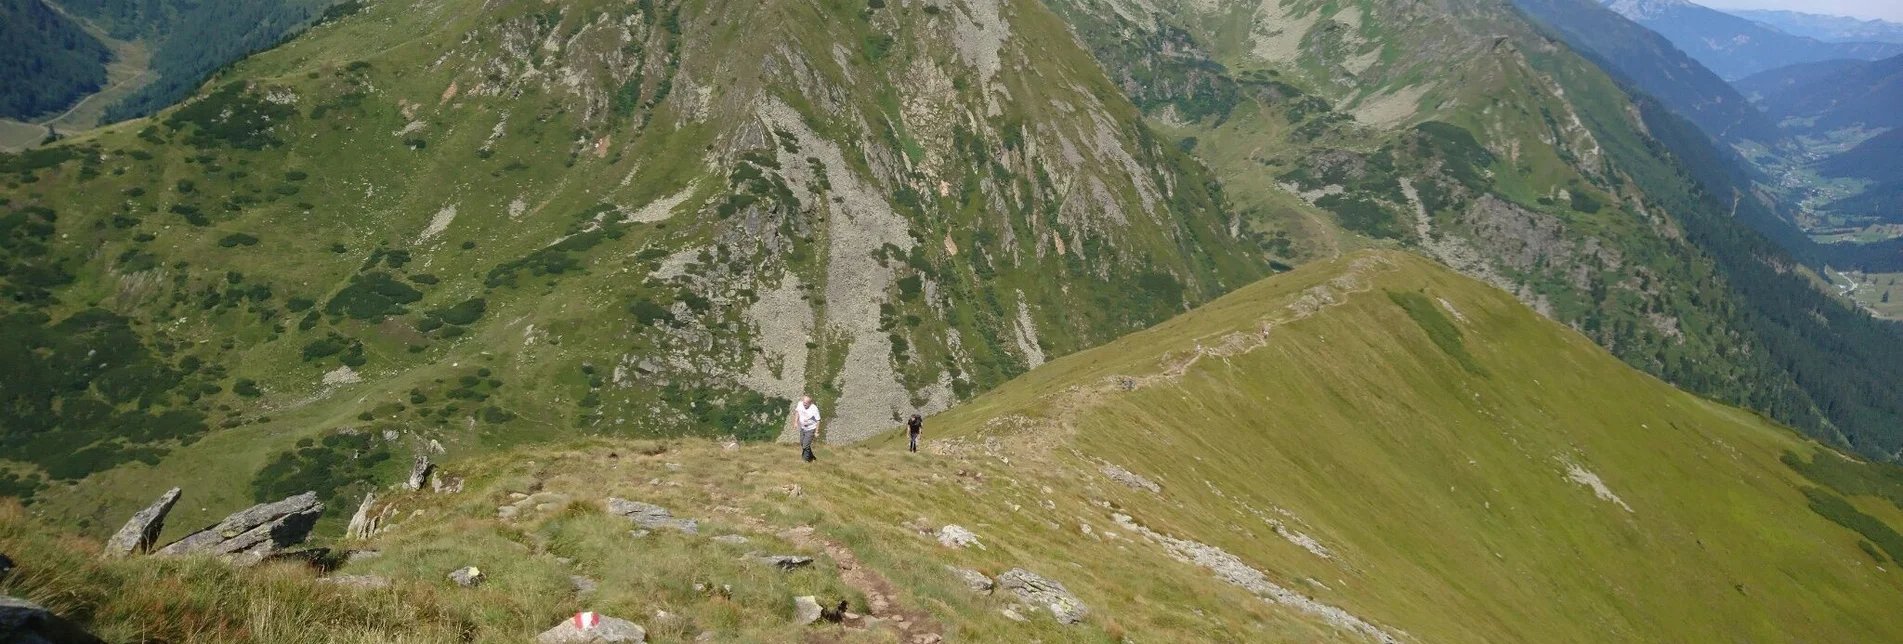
[[1885, 9]]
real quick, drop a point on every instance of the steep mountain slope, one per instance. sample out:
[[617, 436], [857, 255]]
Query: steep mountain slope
[[476, 224], [1368, 449], [1650, 62], [1772, 82], [1823, 27], [1736, 47], [46, 60], [1487, 144], [1830, 97]]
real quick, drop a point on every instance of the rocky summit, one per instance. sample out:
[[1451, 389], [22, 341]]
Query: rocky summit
[[1123, 321]]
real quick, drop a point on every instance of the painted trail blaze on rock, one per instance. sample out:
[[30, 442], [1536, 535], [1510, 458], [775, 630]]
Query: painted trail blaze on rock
[[591, 627]]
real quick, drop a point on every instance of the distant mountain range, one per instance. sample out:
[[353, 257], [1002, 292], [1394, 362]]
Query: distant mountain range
[[1736, 47], [1825, 28], [1831, 95]]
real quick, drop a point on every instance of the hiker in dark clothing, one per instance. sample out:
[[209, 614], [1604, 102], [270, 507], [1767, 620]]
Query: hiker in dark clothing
[[913, 425]]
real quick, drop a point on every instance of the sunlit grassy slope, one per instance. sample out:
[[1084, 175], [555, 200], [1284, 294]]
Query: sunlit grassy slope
[[1405, 445]]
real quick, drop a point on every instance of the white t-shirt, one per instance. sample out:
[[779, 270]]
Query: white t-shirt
[[808, 416]]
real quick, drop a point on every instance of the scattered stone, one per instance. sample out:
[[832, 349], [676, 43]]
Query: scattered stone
[[648, 515], [978, 582], [1044, 592], [732, 539], [506, 512], [785, 562], [927, 638], [806, 609], [355, 581], [792, 490], [249, 535], [590, 628], [1012, 614], [362, 524], [419, 472], [1129, 478], [143, 529], [954, 536], [639, 533], [467, 577], [583, 585], [354, 556]]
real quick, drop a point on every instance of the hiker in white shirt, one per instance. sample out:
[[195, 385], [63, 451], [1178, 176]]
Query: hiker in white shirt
[[807, 415]]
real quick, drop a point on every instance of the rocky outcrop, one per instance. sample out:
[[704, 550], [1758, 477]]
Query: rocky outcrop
[[252, 534], [363, 524], [419, 473], [648, 515], [1043, 592], [590, 628], [142, 530]]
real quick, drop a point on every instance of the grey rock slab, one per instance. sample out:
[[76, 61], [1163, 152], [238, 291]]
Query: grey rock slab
[[583, 585], [731, 539], [362, 522], [254, 533], [648, 515], [806, 609], [590, 628], [1044, 592], [142, 530], [785, 562], [1130, 478]]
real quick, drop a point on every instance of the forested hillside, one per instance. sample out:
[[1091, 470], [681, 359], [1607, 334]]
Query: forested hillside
[[1827, 97], [47, 61], [191, 38]]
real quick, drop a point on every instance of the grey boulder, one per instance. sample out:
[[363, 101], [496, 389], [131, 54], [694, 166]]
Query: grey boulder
[[142, 530], [467, 577], [806, 609], [589, 628], [24, 622], [255, 533], [976, 581]]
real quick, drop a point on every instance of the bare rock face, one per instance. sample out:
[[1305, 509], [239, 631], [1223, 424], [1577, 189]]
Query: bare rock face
[[648, 515], [419, 473], [252, 534], [363, 524], [1044, 592], [142, 530], [589, 628]]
